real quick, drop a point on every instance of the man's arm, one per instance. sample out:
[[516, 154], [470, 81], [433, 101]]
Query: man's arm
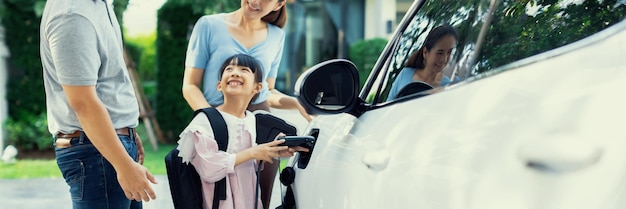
[[96, 123]]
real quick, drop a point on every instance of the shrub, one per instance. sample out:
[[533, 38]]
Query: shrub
[[27, 124], [364, 54], [175, 22], [25, 92], [29, 132]]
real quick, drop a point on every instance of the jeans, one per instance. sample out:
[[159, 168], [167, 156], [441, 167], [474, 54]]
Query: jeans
[[92, 179]]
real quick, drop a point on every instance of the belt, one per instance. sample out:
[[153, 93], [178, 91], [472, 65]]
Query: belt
[[119, 131], [65, 140]]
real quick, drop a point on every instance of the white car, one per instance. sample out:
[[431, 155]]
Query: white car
[[534, 117]]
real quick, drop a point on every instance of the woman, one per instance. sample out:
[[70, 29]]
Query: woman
[[427, 63], [254, 29]]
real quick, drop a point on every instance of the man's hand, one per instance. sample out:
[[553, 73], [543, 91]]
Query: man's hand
[[140, 151], [135, 182]]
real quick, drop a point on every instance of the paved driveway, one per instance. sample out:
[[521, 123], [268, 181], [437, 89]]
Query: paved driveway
[[53, 193]]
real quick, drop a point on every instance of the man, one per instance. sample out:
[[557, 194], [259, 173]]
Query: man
[[92, 109]]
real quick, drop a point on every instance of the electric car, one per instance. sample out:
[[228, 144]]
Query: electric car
[[533, 116]]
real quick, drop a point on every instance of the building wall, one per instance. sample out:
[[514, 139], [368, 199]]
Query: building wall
[[4, 54], [402, 6], [380, 18]]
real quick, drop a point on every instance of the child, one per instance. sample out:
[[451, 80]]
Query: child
[[240, 81]]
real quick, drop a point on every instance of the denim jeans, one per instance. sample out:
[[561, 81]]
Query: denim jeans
[[92, 179]]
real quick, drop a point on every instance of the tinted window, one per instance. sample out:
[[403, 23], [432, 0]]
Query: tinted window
[[491, 36]]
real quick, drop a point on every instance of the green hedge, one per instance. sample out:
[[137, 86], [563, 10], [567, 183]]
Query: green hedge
[[175, 22], [26, 125], [364, 54], [25, 83], [176, 19], [29, 132]]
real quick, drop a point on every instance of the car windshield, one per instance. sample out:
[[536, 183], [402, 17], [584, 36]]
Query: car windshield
[[489, 35]]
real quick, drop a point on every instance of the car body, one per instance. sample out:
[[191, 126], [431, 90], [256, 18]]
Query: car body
[[523, 128]]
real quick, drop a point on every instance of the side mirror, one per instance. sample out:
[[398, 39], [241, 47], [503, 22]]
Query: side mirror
[[328, 87]]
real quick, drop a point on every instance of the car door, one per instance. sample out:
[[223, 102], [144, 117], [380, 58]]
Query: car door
[[524, 126]]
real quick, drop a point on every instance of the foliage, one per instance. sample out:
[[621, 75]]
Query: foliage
[[143, 51], [517, 29], [119, 6], [25, 84], [364, 54], [551, 26], [47, 168], [29, 132], [25, 95], [175, 22], [39, 168], [208, 7]]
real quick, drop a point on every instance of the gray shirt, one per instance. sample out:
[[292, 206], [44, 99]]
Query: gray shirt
[[81, 45]]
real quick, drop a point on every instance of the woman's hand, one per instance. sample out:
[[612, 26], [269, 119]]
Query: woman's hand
[[281, 101], [304, 113]]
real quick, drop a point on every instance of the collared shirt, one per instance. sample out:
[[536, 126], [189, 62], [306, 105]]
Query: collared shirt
[[81, 45]]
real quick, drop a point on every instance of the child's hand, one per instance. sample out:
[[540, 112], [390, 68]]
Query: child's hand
[[268, 151], [291, 150], [297, 149]]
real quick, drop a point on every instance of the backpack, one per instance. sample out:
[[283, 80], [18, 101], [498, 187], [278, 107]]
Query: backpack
[[184, 181]]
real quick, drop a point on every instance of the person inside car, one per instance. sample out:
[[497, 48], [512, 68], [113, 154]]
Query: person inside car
[[427, 63]]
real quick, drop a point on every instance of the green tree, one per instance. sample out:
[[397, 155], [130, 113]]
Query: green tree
[[364, 54], [518, 33], [176, 19], [25, 95], [20, 19]]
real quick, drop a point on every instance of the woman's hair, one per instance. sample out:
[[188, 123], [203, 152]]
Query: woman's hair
[[417, 59], [277, 18]]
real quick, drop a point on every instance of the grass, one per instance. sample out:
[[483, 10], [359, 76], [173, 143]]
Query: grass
[[38, 168], [47, 168], [30, 169], [155, 161]]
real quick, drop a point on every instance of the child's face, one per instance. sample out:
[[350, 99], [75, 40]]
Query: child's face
[[238, 80]]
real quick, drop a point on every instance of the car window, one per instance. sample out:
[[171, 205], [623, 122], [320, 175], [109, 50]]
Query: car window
[[491, 36]]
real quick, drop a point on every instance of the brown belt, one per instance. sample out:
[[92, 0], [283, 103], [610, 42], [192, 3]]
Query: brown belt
[[65, 140], [119, 131]]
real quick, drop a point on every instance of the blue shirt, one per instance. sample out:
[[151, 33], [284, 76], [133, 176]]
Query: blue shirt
[[211, 44], [405, 77]]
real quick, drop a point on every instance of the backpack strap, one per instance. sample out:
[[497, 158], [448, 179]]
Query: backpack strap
[[218, 124]]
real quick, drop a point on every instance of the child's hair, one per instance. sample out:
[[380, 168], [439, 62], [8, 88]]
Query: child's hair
[[245, 61]]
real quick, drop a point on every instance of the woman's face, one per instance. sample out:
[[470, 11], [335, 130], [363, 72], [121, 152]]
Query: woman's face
[[437, 58], [260, 8]]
